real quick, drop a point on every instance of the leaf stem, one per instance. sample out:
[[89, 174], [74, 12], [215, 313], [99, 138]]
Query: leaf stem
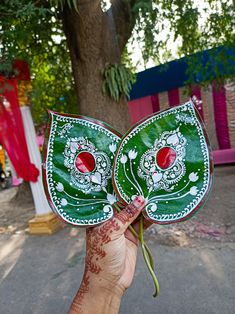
[[145, 250], [146, 258]]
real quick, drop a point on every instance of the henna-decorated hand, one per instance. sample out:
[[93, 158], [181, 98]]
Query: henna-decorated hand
[[110, 263]]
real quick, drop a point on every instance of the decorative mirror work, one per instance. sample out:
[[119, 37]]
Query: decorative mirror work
[[78, 157], [166, 159]]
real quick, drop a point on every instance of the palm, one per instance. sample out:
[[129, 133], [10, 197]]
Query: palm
[[118, 265], [112, 248], [130, 262]]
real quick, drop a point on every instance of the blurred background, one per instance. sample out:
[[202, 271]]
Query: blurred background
[[118, 61]]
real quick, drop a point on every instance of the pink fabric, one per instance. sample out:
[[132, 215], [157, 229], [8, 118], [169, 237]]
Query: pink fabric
[[220, 113], [40, 140], [196, 91], [224, 156], [155, 103], [21, 68], [140, 108], [173, 97], [12, 135], [16, 181]]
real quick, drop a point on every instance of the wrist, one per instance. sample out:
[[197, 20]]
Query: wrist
[[108, 298], [105, 285], [97, 293]]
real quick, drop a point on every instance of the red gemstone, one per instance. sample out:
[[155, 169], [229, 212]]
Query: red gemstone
[[165, 157], [85, 162]]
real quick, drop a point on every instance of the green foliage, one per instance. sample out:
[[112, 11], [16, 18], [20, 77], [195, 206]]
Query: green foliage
[[117, 81], [52, 87], [72, 4], [34, 33], [146, 18], [169, 29], [32, 30]]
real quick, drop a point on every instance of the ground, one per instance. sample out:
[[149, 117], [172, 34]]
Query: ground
[[195, 261]]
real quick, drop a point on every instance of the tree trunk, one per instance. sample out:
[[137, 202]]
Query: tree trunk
[[23, 196], [92, 41]]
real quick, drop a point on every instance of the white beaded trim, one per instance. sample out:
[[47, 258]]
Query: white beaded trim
[[49, 169], [206, 178]]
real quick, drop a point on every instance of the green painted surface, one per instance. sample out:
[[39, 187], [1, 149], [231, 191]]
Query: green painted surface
[[80, 198], [166, 158], [173, 192]]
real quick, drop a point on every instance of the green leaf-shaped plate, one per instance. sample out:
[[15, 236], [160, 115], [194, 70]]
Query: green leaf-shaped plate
[[78, 158], [166, 158]]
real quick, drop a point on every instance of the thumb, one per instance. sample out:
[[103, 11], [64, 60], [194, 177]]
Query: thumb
[[130, 212]]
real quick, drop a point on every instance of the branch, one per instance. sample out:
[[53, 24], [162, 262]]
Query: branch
[[124, 19]]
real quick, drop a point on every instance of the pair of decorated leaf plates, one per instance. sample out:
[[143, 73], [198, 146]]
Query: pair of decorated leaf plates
[[88, 166]]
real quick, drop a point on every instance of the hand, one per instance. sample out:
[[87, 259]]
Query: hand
[[111, 253]]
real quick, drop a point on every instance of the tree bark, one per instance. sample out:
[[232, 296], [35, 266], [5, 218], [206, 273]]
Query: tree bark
[[23, 196], [93, 41]]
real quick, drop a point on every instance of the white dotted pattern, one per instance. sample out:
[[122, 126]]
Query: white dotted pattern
[[107, 214], [205, 151]]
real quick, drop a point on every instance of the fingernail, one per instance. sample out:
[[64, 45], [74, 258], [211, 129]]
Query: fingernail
[[139, 201]]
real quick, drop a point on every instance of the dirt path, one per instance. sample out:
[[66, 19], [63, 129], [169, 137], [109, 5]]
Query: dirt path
[[215, 221], [195, 264], [14, 218]]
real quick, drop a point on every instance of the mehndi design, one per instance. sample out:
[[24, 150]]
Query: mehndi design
[[89, 169]]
